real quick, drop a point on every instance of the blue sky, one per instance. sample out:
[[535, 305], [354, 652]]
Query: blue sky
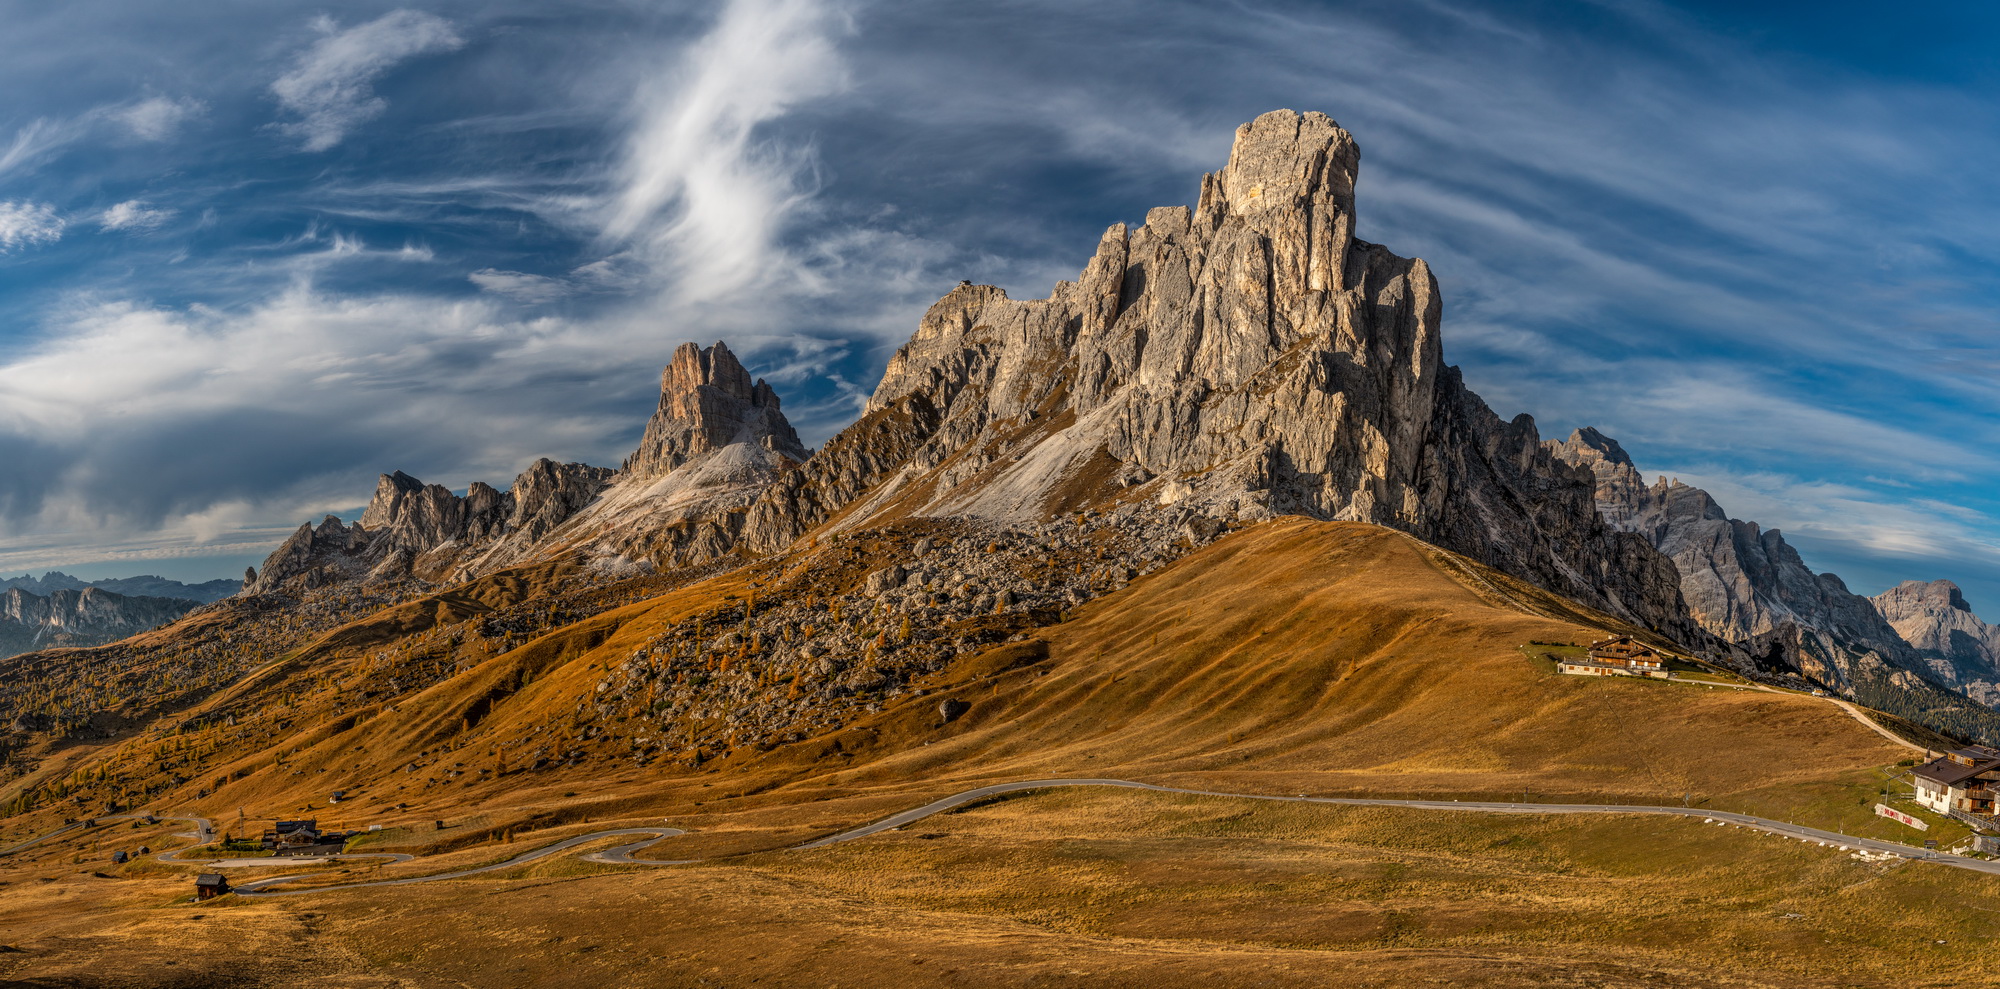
[[253, 254]]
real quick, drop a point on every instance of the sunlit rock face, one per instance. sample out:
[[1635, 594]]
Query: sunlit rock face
[[1230, 363], [1959, 648], [708, 402], [1241, 360], [715, 441]]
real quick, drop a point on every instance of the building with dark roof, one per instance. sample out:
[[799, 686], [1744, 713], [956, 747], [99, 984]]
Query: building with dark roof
[[1620, 655], [1960, 782]]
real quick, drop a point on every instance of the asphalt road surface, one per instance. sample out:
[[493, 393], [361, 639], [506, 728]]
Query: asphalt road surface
[[622, 854], [263, 887]]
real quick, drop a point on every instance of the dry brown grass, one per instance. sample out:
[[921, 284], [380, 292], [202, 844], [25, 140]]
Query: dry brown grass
[[1090, 888], [1295, 657]]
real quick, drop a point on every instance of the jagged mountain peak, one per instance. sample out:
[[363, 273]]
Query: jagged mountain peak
[[1243, 360], [1588, 446], [1960, 648], [1747, 585], [1912, 595], [1281, 161], [708, 402]]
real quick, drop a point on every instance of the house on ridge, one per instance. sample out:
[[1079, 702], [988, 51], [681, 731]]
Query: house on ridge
[[1620, 655]]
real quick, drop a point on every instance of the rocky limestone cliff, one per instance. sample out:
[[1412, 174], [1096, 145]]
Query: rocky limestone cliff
[[714, 444], [1744, 584], [87, 617], [1242, 360], [715, 441], [707, 402], [1961, 651], [413, 529]]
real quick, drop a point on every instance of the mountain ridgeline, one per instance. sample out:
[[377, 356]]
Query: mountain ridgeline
[[57, 609], [87, 617], [1220, 366], [1216, 368], [1916, 650]]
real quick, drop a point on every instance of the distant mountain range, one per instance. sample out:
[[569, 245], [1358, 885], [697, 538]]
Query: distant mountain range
[[59, 610], [142, 586]]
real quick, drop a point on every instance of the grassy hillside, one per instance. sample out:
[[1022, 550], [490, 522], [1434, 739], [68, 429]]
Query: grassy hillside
[[1342, 658], [1291, 657]]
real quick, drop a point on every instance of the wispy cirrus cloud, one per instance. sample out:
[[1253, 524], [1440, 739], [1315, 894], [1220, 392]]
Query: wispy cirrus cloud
[[35, 142], [520, 286], [1763, 262], [696, 187], [330, 87]]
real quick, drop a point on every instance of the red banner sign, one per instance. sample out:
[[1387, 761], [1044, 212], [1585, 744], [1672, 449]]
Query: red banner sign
[[1883, 810]]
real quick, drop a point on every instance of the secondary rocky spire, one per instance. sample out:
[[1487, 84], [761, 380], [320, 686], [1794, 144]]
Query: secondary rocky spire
[[707, 402]]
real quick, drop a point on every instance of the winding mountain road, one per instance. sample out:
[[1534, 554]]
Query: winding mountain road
[[1853, 711], [622, 854], [1779, 828]]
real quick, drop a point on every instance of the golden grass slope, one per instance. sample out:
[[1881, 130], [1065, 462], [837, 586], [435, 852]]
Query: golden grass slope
[[1344, 658], [1291, 657]]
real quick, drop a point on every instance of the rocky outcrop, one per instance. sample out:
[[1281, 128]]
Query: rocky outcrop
[[1960, 650], [87, 617], [716, 440], [715, 443], [413, 529], [313, 556], [1242, 360], [1742, 583]]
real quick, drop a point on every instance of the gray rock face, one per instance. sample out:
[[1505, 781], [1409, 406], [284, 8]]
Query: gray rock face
[[1742, 583], [1245, 359], [315, 555], [87, 617], [714, 444], [548, 494], [1960, 650]]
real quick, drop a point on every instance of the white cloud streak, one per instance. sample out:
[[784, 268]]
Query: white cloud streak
[[520, 286], [26, 224], [134, 214], [698, 190], [157, 118], [35, 142], [330, 87], [133, 418]]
